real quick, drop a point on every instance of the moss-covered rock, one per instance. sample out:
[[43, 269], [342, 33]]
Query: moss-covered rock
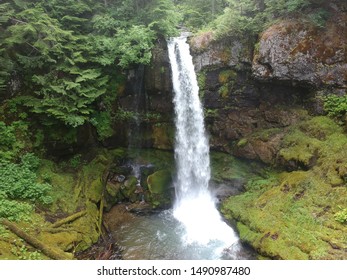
[[292, 215], [226, 168], [159, 184], [129, 187], [163, 136]]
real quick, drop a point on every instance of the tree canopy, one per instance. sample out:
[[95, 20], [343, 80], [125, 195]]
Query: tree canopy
[[60, 57]]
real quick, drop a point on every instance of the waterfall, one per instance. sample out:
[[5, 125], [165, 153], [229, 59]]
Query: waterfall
[[195, 206]]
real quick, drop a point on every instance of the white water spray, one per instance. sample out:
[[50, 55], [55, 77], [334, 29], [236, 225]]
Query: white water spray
[[195, 206]]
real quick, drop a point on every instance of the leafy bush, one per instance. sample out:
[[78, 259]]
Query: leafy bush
[[7, 136], [75, 161], [341, 216], [14, 210], [102, 121], [13, 139], [23, 253], [335, 106], [19, 181], [19, 188]]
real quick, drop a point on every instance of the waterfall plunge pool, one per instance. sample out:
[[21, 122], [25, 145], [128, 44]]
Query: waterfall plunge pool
[[160, 236]]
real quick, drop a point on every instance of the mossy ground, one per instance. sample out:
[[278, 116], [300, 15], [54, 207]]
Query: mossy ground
[[74, 188], [292, 215]]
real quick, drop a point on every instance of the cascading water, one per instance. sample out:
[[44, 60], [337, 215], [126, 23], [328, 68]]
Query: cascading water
[[193, 229], [195, 206]]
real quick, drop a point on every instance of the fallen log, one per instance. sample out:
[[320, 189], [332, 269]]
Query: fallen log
[[53, 253], [69, 219], [58, 230]]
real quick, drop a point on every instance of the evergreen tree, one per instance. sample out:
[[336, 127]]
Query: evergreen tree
[[64, 51]]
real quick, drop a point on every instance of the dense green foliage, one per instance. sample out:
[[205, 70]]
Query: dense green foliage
[[341, 216], [63, 63], [198, 13], [19, 188], [60, 59], [336, 106], [252, 16]]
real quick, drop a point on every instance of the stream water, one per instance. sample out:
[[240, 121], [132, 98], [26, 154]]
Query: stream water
[[194, 228]]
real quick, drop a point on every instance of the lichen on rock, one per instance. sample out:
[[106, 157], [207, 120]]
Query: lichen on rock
[[298, 52]]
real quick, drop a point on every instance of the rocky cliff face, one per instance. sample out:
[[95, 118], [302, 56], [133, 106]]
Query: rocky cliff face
[[238, 105], [295, 52], [247, 91], [147, 105]]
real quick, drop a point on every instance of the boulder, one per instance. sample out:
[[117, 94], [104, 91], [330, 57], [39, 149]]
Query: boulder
[[159, 184]]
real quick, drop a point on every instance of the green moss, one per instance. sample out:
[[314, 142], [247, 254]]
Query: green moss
[[224, 91], [267, 134], [320, 126], [299, 147], [201, 79], [62, 186], [163, 136], [290, 216], [129, 188], [225, 167], [211, 113], [243, 142], [227, 75], [341, 216], [159, 181], [227, 79], [159, 184], [87, 227], [246, 234]]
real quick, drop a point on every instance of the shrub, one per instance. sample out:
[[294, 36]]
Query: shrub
[[102, 121], [341, 216], [14, 210], [19, 181], [335, 106]]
